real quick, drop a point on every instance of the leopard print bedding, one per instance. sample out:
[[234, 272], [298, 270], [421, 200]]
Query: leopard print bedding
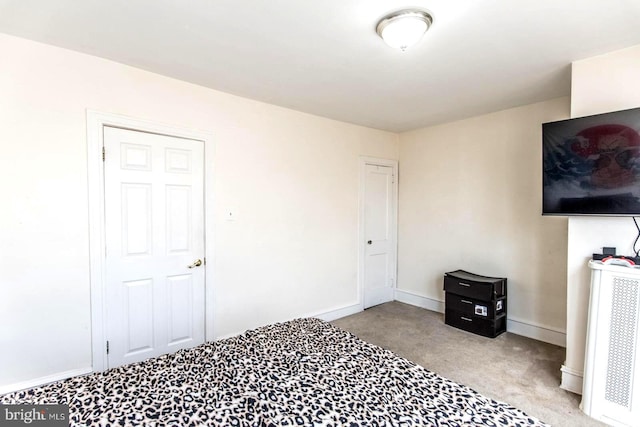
[[305, 372]]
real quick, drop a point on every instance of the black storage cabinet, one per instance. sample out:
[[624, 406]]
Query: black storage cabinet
[[475, 303]]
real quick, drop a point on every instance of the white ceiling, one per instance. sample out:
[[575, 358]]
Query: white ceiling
[[324, 57]]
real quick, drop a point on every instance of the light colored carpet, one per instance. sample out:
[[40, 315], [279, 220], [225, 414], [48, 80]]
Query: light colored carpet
[[513, 369]]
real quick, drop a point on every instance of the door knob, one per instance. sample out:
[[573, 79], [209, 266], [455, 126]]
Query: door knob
[[369, 242], [196, 263]]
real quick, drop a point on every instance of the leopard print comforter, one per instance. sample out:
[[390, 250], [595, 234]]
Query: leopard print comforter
[[305, 372]]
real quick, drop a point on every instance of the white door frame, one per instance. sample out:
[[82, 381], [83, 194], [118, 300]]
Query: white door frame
[[364, 161], [96, 121]]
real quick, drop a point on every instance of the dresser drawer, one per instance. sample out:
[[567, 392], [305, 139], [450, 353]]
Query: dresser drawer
[[485, 327], [474, 286], [475, 308]]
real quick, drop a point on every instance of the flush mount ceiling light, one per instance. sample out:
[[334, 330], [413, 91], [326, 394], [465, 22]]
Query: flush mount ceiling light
[[404, 28]]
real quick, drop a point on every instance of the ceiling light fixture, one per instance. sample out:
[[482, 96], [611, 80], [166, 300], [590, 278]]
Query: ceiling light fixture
[[404, 28]]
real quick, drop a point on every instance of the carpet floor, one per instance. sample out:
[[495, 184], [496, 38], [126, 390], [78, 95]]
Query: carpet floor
[[510, 368]]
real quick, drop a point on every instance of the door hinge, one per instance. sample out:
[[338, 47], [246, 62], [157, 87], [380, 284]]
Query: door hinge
[[103, 155], [107, 347], [393, 177]]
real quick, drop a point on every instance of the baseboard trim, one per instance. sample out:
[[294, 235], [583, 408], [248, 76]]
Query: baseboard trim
[[537, 332], [571, 380], [44, 380], [419, 301], [348, 310], [514, 326]]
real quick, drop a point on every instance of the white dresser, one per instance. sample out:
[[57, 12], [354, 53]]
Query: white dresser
[[611, 389]]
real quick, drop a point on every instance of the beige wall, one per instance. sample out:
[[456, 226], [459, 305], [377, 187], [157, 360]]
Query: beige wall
[[600, 84], [291, 178], [470, 198]]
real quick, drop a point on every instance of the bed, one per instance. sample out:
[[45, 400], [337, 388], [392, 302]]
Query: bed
[[303, 372]]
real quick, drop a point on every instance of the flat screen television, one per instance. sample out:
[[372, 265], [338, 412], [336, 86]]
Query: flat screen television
[[591, 165]]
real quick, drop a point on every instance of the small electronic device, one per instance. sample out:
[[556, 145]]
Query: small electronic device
[[613, 260]]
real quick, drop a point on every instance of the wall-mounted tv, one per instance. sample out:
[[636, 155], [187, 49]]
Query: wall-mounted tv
[[591, 165]]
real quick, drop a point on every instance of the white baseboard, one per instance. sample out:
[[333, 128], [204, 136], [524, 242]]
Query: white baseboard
[[537, 332], [419, 301], [571, 380], [44, 380], [514, 326], [348, 310]]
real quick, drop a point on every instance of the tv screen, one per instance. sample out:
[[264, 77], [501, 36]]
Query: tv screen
[[591, 165]]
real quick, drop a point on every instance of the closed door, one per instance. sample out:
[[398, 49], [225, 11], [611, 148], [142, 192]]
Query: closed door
[[154, 227], [379, 232]]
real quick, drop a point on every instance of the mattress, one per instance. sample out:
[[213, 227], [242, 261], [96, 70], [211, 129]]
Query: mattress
[[303, 372]]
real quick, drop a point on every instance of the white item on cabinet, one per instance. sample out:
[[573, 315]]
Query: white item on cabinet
[[611, 391]]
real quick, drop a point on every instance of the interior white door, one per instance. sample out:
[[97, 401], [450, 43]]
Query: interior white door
[[154, 228], [379, 223]]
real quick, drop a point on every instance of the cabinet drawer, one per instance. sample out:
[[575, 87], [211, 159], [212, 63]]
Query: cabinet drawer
[[485, 327], [475, 308], [475, 286]]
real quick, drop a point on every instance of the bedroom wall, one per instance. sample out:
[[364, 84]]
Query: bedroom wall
[[598, 85], [470, 199], [290, 178]]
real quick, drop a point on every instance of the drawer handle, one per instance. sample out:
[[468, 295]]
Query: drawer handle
[[464, 284], [467, 319], [465, 301]]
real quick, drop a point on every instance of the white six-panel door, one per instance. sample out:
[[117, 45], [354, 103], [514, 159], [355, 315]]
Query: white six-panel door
[[379, 220], [154, 227]]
